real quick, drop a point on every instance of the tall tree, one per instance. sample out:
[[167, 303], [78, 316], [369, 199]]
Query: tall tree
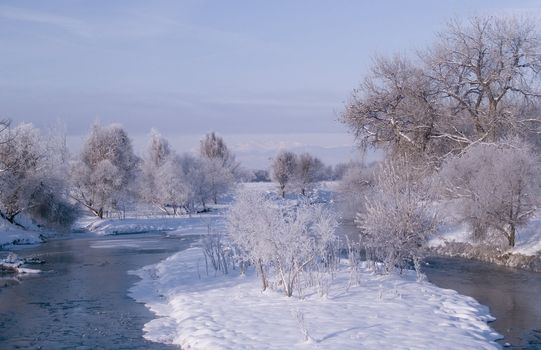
[[220, 163], [157, 155], [477, 83], [495, 187], [103, 177], [283, 169]]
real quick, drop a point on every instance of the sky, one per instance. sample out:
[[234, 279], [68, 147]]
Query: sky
[[266, 75]]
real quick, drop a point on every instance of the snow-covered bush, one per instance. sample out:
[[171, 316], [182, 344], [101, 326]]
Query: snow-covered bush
[[494, 187], [398, 217], [279, 240]]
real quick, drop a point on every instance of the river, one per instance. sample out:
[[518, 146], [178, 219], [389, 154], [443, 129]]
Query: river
[[80, 299], [514, 296]]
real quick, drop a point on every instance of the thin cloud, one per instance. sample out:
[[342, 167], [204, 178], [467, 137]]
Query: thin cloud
[[69, 24]]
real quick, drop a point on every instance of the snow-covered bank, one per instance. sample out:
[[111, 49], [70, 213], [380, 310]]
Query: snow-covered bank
[[12, 235], [193, 224], [230, 312], [457, 241], [13, 264]]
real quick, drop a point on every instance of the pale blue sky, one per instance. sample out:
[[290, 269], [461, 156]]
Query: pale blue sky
[[258, 72]]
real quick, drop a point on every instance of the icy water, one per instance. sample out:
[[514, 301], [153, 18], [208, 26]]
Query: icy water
[[514, 296], [80, 299]]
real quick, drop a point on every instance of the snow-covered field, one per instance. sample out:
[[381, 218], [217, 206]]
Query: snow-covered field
[[230, 312]]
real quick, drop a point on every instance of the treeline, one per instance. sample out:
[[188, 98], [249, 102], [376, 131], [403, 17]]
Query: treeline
[[41, 183]]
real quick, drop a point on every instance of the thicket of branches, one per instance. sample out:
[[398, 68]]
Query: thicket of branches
[[282, 242]]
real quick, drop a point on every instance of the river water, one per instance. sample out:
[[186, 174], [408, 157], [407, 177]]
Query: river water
[[80, 299], [514, 296]]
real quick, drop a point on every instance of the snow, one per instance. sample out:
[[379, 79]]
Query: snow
[[174, 225], [230, 312], [528, 240], [14, 264], [11, 234]]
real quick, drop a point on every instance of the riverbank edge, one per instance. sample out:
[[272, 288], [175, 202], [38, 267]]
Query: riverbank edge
[[488, 254]]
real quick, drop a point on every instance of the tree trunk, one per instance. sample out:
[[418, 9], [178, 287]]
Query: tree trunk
[[262, 274], [511, 237]]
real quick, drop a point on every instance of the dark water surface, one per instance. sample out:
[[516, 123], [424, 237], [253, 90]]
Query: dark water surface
[[514, 296], [80, 299]]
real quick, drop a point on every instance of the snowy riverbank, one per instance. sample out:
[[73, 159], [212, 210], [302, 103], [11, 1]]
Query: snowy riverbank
[[13, 235], [230, 312], [526, 255]]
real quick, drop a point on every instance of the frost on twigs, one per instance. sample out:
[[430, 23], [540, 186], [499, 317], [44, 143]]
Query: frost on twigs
[[282, 242], [398, 219]]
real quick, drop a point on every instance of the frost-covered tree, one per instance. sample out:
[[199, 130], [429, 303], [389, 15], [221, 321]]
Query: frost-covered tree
[[157, 154], [494, 186], [277, 239], [398, 218], [220, 165], [32, 180], [173, 188], [197, 182], [283, 169], [103, 177], [477, 83], [309, 170]]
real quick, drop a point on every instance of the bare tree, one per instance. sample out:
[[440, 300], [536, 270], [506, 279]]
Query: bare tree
[[494, 186], [283, 169], [103, 177], [477, 83]]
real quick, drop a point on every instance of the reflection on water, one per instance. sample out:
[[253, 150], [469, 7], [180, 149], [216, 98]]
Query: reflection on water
[[80, 299], [514, 296]]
